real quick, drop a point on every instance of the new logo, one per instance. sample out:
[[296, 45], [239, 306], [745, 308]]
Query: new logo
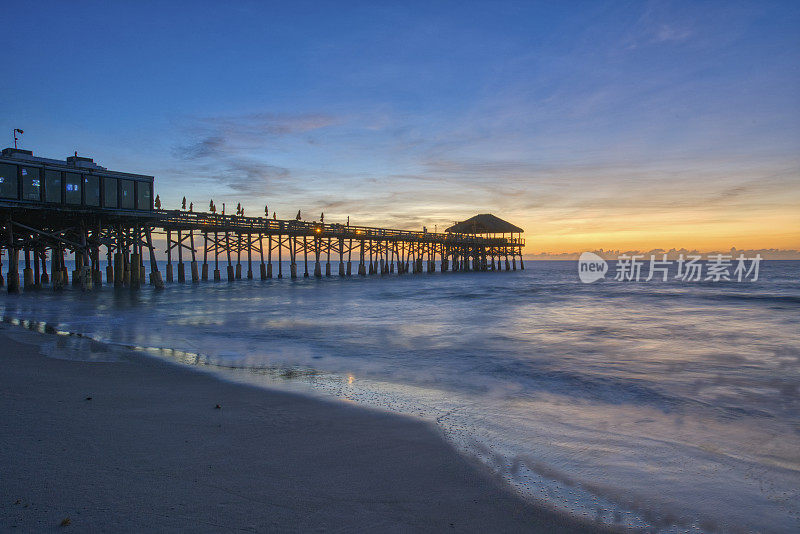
[[591, 267]]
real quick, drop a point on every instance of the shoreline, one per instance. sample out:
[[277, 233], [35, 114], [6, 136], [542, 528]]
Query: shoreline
[[150, 451]]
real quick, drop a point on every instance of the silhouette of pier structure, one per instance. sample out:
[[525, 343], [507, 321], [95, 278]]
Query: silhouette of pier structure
[[107, 220]]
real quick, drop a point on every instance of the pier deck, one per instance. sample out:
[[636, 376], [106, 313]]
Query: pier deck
[[207, 239]]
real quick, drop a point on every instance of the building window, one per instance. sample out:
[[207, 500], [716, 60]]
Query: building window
[[91, 190], [110, 192], [31, 183], [52, 186], [126, 198], [143, 199], [72, 182], [8, 181]]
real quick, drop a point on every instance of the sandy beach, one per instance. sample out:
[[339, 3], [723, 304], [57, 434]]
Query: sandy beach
[[138, 444]]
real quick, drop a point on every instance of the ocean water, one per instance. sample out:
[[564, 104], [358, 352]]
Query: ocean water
[[669, 406]]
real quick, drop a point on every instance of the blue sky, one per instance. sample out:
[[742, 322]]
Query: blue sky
[[590, 124]]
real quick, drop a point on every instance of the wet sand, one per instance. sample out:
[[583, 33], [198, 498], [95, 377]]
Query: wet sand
[[150, 451]]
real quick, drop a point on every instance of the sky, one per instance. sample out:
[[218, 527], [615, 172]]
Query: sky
[[613, 125]]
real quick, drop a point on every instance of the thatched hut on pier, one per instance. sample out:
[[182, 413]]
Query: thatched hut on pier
[[492, 226], [485, 223]]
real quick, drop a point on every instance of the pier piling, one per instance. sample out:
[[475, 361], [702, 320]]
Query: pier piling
[[58, 231]]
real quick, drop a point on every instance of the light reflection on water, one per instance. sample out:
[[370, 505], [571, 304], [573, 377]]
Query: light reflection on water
[[673, 405]]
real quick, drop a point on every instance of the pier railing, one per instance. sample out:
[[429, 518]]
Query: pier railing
[[211, 222]]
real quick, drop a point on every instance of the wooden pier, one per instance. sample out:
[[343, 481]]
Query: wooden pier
[[102, 235]]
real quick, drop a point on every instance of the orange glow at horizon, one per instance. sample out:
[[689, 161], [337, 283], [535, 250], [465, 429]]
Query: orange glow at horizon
[[776, 230]]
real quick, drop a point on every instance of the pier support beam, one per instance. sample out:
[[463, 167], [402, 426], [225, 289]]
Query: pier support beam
[[55, 272], [55, 268], [238, 256], [126, 268], [84, 272], [169, 256], [27, 272], [261, 252], [193, 267], [328, 259], [110, 267], [280, 255], [249, 256], [181, 272], [155, 276], [362, 269], [371, 264], [135, 263], [13, 261], [44, 280], [341, 256], [305, 257], [317, 267], [293, 255], [349, 257], [204, 276], [228, 252], [97, 275], [269, 256], [76, 272]]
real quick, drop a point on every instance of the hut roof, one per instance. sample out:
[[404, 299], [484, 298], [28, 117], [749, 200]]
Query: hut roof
[[484, 224]]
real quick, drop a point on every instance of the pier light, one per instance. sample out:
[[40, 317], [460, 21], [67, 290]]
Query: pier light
[[318, 229]]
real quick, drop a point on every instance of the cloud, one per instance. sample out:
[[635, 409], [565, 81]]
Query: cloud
[[230, 150], [253, 178], [662, 24], [226, 136], [220, 135], [666, 33], [262, 125], [250, 178], [201, 149]]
